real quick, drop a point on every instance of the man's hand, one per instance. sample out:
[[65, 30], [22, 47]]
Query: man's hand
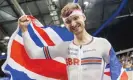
[[23, 22]]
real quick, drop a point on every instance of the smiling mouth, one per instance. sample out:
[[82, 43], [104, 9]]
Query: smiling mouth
[[75, 27]]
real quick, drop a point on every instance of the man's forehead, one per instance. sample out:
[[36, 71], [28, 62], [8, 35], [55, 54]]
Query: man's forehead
[[74, 13]]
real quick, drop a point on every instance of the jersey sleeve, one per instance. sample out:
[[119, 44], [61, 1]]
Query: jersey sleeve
[[106, 50], [59, 50], [33, 51], [111, 59], [36, 52]]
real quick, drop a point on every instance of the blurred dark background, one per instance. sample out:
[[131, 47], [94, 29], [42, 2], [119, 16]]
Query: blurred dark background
[[119, 32]]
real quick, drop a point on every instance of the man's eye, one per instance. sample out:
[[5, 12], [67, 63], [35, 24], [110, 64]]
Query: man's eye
[[68, 21], [75, 18]]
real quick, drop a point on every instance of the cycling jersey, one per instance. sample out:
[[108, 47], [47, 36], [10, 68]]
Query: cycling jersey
[[84, 62]]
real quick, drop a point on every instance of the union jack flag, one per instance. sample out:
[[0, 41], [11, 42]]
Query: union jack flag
[[20, 67]]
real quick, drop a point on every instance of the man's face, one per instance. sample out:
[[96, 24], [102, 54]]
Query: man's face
[[75, 23]]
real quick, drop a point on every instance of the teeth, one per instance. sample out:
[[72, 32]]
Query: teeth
[[75, 27]]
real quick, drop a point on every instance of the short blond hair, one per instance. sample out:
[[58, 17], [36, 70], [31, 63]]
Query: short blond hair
[[67, 10]]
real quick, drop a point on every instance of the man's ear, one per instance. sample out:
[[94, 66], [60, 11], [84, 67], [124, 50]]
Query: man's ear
[[65, 24], [84, 17]]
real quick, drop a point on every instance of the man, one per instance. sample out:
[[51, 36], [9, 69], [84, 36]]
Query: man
[[85, 55]]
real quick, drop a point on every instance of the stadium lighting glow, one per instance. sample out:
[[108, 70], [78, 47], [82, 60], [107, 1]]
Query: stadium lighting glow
[[6, 37], [51, 14], [62, 25], [3, 53], [86, 3], [55, 0]]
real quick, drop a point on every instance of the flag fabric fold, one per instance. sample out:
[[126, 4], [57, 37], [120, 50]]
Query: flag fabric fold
[[114, 69], [20, 67]]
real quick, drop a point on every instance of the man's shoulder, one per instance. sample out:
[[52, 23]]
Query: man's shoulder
[[101, 40], [104, 43]]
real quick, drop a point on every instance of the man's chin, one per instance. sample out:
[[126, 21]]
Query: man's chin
[[77, 32]]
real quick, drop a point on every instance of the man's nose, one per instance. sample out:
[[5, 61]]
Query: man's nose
[[73, 23]]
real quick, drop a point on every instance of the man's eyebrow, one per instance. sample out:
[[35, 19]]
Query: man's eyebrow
[[68, 13]]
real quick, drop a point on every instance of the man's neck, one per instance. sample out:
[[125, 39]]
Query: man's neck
[[82, 38]]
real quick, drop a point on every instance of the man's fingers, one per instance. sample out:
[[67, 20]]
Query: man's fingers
[[28, 22], [23, 21], [23, 18]]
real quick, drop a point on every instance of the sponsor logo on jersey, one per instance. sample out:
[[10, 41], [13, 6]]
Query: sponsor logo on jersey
[[91, 60], [85, 51], [83, 61]]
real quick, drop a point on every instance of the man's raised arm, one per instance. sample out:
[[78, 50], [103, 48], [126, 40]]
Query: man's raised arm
[[34, 51], [31, 48]]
